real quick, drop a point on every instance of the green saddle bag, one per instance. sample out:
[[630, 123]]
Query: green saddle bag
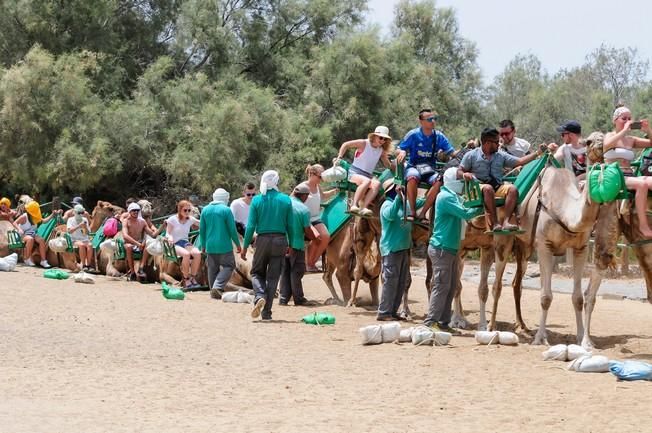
[[606, 182]]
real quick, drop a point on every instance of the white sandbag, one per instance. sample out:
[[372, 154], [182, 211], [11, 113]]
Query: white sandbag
[[245, 298], [108, 245], [405, 335], [507, 338], [390, 332], [58, 244], [371, 334], [334, 174], [575, 351], [422, 335], [8, 264], [230, 297], [442, 338], [558, 352], [590, 364], [486, 337], [83, 277], [154, 246]]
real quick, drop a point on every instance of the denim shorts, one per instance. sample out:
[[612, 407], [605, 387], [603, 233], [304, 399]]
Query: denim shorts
[[183, 243]]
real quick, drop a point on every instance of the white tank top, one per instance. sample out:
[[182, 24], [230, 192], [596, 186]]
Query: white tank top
[[368, 158], [178, 230], [313, 203], [27, 224]]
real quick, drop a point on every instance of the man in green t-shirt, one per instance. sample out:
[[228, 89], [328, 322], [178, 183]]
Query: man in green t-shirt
[[294, 265]]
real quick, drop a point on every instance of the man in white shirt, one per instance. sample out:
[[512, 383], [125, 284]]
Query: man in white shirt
[[509, 142], [240, 207]]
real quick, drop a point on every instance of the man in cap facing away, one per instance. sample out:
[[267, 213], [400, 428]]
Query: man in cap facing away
[[270, 216], [217, 235], [294, 265], [395, 244]]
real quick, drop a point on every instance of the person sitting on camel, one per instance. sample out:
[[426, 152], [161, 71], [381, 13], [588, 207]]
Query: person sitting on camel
[[133, 233], [377, 146], [6, 213], [421, 146], [486, 164]]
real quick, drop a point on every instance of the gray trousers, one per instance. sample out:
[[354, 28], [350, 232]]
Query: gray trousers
[[294, 268], [396, 279], [220, 268], [444, 280], [266, 268]]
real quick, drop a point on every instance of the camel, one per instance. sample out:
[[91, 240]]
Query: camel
[[557, 216], [104, 259]]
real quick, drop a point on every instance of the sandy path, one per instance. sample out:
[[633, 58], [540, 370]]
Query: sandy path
[[117, 356]]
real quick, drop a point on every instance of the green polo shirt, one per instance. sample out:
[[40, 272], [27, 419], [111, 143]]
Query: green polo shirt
[[269, 213], [300, 220], [217, 229], [449, 213], [396, 234]]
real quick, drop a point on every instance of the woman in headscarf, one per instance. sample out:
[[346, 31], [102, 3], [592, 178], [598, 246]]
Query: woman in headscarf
[[619, 146], [26, 225]]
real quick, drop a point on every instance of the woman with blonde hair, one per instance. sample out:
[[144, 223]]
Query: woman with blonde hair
[[368, 151], [316, 247], [26, 225], [619, 146], [177, 231]]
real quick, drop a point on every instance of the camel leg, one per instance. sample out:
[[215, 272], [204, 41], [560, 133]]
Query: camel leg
[[545, 267], [327, 277], [579, 258], [589, 303], [351, 302], [373, 288], [496, 290], [486, 258], [357, 276], [344, 280], [517, 286], [457, 320]]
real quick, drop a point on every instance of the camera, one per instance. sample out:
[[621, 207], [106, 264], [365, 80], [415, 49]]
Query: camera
[[635, 125]]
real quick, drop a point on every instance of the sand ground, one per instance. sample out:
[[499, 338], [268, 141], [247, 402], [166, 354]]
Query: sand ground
[[118, 357]]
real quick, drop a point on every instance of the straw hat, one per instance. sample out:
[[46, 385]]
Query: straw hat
[[381, 131]]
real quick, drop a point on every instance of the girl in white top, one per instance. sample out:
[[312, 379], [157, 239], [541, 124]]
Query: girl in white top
[[377, 146], [615, 146], [78, 227], [177, 231], [317, 246]]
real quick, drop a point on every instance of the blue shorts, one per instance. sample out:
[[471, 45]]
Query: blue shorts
[[355, 170], [413, 173], [183, 243]]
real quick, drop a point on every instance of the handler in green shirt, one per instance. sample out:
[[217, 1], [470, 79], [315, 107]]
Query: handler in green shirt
[[216, 232], [444, 244], [395, 243], [294, 265], [270, 216]]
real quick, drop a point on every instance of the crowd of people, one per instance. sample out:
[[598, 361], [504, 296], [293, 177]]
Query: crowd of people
[[290, 236]]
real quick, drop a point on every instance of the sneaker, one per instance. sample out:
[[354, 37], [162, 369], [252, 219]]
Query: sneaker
[[497, 228], [29, 262], [283, 302], [306, 303], [384, 318], [399, 317], [446, 328], [216, 293], [510, 227], [366, 212], [435, 327], [354, 209], [258, 307], [45, 264]]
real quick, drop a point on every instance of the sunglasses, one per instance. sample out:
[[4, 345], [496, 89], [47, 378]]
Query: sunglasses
[[564, 133], [318, 175], [133, 211], [187, 210], [505, 134], [431, 119], [250, 194]]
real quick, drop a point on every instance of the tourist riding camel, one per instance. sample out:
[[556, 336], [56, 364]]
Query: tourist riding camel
[[26, 224], [178, 233], [572, 153], [486, 164], [509, 142], [78, 227], [421, 146], [619, 146], [377, 146]]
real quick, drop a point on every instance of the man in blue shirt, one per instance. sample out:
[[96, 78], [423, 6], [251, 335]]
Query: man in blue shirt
[[487, 165], [421, 146]]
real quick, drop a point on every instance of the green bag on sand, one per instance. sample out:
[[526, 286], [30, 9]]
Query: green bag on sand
[[172, 292], [606, 181], [319, 319], [56, 274]]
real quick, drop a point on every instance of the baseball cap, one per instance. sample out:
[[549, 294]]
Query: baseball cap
[[570, 126]]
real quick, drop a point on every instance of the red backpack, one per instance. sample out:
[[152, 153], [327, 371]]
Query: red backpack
[[111, 227]]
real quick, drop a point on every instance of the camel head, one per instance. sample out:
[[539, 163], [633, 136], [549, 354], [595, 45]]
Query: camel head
[[593, 145], [145, 208], [103, 210]]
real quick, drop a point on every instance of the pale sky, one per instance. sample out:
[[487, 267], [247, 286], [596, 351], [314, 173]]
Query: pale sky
[[559, 33]]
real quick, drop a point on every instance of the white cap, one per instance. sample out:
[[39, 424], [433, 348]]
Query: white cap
[[133, 206], [221, 196]]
